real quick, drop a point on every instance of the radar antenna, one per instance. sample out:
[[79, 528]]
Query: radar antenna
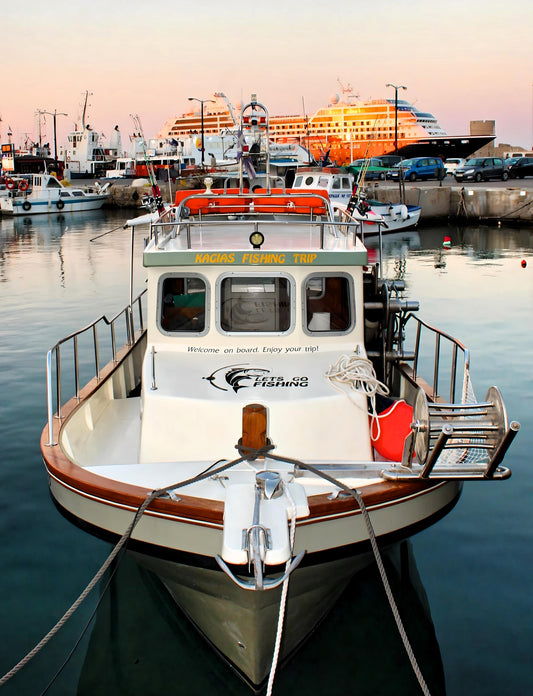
[[348, 90]]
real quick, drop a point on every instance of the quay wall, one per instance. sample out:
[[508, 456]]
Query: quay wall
[[477, 202]]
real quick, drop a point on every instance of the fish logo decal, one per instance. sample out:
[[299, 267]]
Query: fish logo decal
[[235, 377]]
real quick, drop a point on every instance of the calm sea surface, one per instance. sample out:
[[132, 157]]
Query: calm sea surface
[[468, 609]]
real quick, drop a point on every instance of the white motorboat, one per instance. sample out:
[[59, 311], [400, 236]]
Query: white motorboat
[[340, 186], [43, 193], [266, 426]]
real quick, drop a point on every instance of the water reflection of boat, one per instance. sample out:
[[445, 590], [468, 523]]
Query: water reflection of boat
[[404, 239], [138, 639]]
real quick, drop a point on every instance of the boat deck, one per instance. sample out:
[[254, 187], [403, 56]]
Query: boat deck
[[118, 459]]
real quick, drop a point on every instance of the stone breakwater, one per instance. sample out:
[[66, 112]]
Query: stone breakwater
[[129, 194], [475, 202]]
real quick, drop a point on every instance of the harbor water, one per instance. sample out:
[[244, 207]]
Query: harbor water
[[463, 586]]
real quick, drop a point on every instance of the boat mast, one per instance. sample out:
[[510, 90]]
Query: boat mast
[[158, 199], [84, 112]]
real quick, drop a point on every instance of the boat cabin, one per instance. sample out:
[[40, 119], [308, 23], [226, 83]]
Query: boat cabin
[[339, 185], [259, 295]]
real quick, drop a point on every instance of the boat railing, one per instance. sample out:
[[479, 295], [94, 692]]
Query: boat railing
[[451, 438], [100, 338], [164, 231], [442, 355], [255, 210]]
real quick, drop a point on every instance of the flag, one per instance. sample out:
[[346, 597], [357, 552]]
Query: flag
[[243, 152]]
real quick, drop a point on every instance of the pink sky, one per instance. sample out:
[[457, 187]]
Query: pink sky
[[460, 60]]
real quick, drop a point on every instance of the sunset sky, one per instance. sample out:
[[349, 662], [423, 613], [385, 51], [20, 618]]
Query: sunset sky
[[462, 60]]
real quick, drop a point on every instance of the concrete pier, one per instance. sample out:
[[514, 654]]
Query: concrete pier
[[474, 202], [480, 201]]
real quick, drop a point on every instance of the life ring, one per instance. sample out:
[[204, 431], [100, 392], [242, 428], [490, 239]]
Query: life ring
[[26, 205], [10, 184], [60, 205], [390, 428], [23, 185]]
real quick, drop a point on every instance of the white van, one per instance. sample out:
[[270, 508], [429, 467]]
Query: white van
[[451, 164]]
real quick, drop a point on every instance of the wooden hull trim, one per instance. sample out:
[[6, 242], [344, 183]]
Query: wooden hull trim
[[192, 511], [197, 560], [180, 538]]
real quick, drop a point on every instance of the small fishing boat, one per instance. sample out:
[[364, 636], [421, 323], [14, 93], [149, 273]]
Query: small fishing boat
[[267, 425], [36, 194], [340, 187]]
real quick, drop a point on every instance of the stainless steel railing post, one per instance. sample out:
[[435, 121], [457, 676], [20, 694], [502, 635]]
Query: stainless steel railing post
[[96, 354], [50, 399]]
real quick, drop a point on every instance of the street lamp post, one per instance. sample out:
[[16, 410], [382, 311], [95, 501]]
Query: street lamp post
[[54, 114], [396, 88], [202, 102]]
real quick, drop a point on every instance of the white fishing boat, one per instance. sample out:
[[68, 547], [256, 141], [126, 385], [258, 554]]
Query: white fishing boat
[[340, 187], [266, 426], [36, 194], [84, 154]]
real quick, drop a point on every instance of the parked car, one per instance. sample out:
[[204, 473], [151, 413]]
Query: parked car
[[452, 163], [508, 161], [389, 160], [482, 169], [521, 168], [418, 168], [375, 169]]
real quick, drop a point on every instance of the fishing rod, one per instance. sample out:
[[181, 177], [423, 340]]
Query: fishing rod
[[156, 192], [120, 227], [358, 183]]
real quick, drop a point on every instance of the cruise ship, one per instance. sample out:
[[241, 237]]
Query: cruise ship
[[348, 128]]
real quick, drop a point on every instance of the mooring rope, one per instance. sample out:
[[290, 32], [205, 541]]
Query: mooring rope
[[461, 206], [122, 541], [284, 593]]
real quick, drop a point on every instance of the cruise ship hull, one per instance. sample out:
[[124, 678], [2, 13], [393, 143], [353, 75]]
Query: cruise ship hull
[[343, 152]]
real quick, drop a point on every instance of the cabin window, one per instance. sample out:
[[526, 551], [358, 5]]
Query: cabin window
[[255, 304], [182, 304], [328, 303]]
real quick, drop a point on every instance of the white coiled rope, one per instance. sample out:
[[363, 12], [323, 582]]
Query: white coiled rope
[[358, 373]]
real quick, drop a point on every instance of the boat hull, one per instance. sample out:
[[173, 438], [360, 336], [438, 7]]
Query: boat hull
[[241, 624], [394, 222], [47, 207]]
